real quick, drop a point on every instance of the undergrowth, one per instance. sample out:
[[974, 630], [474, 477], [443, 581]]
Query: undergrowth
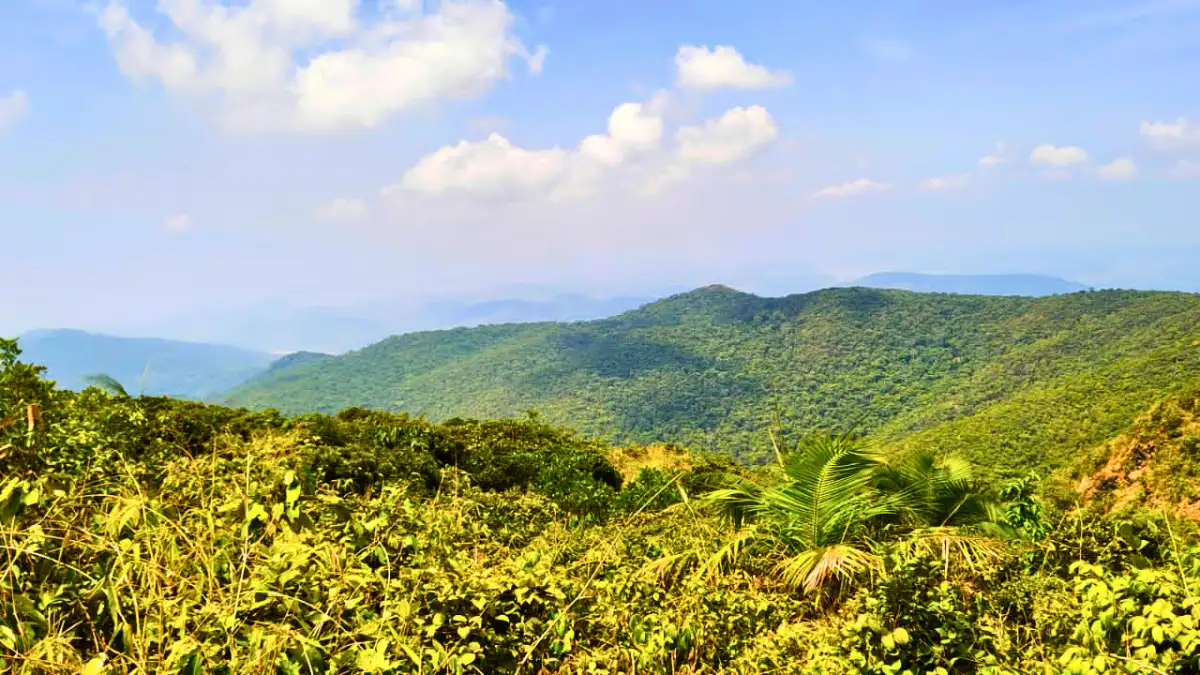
[[144, 535]]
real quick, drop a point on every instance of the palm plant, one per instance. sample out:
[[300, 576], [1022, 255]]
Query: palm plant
[[820, 515], [942, 508], [838, 502]]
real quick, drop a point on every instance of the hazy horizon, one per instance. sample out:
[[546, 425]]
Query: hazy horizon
[[605, 149]]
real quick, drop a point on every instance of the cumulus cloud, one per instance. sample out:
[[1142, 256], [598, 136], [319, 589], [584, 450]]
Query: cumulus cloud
[[855, 187], [493, 167], [730, 138], [497, 168], [1051, 155], [939, 183], [1171, 134], [13, 108], [178, 222], [1118, 169], [343, 209], [997, 157], [632, 128], [704, 69], [318, 66], [632, 154]]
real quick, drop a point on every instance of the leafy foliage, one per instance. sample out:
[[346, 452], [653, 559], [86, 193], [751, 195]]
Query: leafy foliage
[[143, 534]]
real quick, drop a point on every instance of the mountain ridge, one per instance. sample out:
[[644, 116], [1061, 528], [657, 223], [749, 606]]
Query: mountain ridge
[[708, 368]]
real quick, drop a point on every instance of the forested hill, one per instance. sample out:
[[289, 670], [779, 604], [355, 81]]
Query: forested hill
[[1012, 382]]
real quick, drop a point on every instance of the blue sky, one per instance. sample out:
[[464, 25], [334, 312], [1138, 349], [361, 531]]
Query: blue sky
[[343, 151]]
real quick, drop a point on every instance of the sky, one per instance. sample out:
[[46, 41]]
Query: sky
[[160, 158]]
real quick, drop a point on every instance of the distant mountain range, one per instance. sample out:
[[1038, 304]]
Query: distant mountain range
[[283, 329], [142, 365], [1031, 285], [203, 355], [1006, 381]]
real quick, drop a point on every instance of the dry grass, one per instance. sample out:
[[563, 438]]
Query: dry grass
[[629, 461], [1150, 465]]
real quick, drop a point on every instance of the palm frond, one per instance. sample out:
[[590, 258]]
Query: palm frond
[[108, 383], [730, 552], [929, 492], [953, 545], [670, 567], [815, 568]]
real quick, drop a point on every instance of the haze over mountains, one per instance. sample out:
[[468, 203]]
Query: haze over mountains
[[283, 328], [287, 328], [1032, 285], [207, 354], [142, 365]]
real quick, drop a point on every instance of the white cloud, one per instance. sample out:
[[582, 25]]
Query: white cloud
[[998, 157], [343, 209], [632, 128], [493, 167], [860, 186], [13, 109], [1055, 156], [1118, 169], [631, 153], [1171, 134], [731, 138], [704, 69], [317, 65], [497, 168], [178, 222], [954, 182]]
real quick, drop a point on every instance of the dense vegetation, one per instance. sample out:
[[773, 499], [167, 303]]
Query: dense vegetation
[[142, 534], [1011, 383], [150, 365]]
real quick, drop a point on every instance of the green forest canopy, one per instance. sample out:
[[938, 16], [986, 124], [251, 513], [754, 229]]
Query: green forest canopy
[[1010, 382]]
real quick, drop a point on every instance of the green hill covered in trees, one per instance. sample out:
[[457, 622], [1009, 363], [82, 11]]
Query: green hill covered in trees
[[1010, 382]]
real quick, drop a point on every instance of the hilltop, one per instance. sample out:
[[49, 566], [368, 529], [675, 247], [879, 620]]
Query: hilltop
[[153, 365], [1012, 382]]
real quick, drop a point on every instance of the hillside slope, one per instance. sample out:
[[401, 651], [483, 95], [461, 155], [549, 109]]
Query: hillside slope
[[1155, 464], [170, 367], [1009, 381]]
